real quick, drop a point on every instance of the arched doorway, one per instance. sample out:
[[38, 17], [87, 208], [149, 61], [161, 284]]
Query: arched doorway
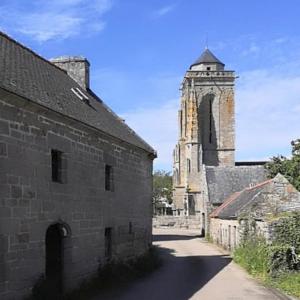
[[55, 236]]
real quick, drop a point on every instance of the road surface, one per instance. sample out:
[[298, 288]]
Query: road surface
[[193, 269]]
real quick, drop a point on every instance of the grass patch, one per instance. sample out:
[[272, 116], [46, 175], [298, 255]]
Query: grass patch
[[111, 275], [289, 283], [269, 263], [254, 257]]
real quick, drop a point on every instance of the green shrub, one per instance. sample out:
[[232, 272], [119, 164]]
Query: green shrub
[[275, 263], [287, 231]]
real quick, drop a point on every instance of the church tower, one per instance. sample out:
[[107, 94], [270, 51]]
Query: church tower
[[206, 130]]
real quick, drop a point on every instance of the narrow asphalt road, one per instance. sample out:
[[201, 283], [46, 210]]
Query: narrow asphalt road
[[193, 269]]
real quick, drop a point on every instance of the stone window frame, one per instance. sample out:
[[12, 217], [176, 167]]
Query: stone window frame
[[108, 177], [58, 166]]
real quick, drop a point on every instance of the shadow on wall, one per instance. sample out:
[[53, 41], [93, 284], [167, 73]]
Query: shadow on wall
[[208, 135], [3, 251]]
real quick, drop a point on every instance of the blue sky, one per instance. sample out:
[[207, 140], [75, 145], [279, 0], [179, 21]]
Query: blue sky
[[139, 51]]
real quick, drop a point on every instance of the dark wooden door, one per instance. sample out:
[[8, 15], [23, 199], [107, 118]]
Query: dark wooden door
[[54, 259]]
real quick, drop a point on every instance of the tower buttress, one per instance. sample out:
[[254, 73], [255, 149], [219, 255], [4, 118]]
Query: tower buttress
[[207, 126]]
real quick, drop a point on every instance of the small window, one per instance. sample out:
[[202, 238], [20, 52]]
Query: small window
[[130, 228], [56, 157], [108, 178], [210, 121], [188, 165], [108, 243], [208, 68]]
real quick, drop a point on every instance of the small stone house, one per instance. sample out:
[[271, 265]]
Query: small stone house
[[75, 180], [262, 202]]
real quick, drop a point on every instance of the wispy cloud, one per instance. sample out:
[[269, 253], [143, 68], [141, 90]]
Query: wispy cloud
[[164, 10], [267, 113], [253, 49], [158, 126], [267, 117], [57, 19], [152, 111]]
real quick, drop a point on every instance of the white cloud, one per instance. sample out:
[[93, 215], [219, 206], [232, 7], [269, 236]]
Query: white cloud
[[56, 19], [158, 126], [43, 27], [164, 10], [267, 118], [252, 50]]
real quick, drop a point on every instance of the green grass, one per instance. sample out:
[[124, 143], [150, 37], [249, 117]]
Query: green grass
[[288, 283], [255, 258]]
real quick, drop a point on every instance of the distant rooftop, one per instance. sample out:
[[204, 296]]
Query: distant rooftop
[[250, 163]]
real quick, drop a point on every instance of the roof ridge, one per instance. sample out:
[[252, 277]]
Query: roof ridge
[[235, 195], [259, 185], [230, 199], [51, 94], [30, 50], [247, 203]]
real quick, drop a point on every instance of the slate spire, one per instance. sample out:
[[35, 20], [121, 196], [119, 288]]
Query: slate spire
[[207, 57]]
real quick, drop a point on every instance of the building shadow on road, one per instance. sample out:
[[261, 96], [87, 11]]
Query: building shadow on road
[[184, 276], [179, 278]]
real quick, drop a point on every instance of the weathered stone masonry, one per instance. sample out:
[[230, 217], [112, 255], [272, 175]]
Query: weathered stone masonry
[[30, 202], [204, 157]]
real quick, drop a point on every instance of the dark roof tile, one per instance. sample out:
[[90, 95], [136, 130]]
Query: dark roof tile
[[28, 75], [224, 181], [236, 202], [207, 57]]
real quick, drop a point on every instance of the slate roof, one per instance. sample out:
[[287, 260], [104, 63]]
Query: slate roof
[[30, 76], [207, 57], [224, 181], [234, 204]]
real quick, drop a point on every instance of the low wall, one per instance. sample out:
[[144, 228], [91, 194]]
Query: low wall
[[191, 222]]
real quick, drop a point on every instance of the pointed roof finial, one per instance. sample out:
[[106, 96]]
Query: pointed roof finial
[[206, 41]]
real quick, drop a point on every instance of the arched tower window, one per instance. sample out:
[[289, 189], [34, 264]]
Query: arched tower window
[[210, 119]]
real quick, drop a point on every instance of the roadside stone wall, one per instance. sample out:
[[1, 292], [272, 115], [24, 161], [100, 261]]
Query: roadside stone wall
[[191, 222], [226, 233], [30, 201]]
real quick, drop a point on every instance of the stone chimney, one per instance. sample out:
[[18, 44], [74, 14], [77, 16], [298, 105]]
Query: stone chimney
[[77, 67]]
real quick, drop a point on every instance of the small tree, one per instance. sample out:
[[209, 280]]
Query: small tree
[[288, 167]]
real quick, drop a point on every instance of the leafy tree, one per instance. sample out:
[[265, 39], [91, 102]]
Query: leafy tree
[[162, 186], [288, 167]]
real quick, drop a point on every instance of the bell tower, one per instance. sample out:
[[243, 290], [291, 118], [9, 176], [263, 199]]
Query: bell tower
[[206, 129]]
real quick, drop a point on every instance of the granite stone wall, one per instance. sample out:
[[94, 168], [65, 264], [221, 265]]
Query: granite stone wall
[[30, 201]]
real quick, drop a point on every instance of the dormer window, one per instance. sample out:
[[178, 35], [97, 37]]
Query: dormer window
[[80, 95]]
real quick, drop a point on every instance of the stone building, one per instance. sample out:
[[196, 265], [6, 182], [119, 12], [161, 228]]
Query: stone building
[[263, 203], [204, 170], [75, 180]]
